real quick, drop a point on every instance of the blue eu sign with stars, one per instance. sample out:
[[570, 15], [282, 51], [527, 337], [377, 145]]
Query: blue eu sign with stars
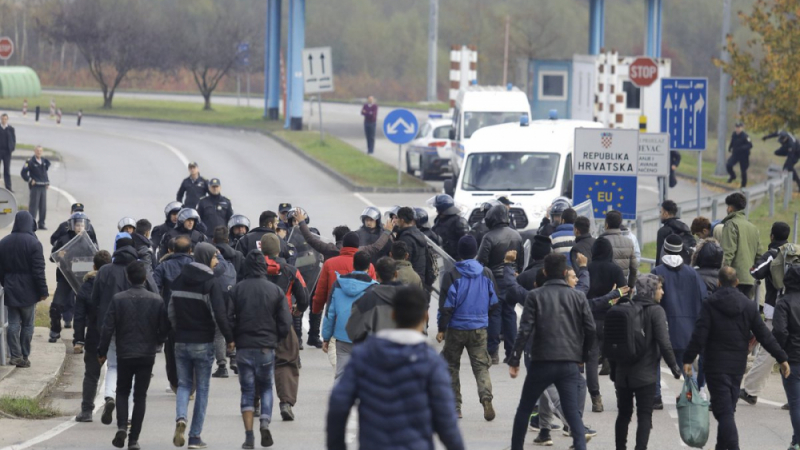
[[604, 191]]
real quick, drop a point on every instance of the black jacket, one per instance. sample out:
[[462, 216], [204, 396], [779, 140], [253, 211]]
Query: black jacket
[[195, 235], [673, 225], [170, 267], [417, 249], [34, 170], [252, 241], [786, 321], [478, 231], [674, 159], [261, 312], [8, 140], [214, 210], [144, 247], [727, 321], [63, 228], [583, 245], [558, 320], [740, 144], [158, 233], [498, 241], [707, 260], [22, 264], [137, 320], [761, 271], [85, 320], [290, 280], [640, 373], [196, 306], [372, 312], [111, 280], [235, 257], [368, 236], [604, 273], [450, 227], [193, 191]]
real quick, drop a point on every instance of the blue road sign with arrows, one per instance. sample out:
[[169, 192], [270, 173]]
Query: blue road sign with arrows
[[684, 112], [400, 126]]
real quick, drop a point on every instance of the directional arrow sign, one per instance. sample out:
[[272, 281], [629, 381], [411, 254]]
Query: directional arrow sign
[[400, 126], [684, 115], [318, 71]]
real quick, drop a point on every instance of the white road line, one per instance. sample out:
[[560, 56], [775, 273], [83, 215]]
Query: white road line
[[70, 199], [362, 198], [649, 189], [175, 151]]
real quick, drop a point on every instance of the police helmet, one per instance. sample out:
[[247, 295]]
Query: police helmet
[[441, 202], [186, 214], [291, 217], [172, 207], [421, 217], [126, 222], [486, 206], [78, 218], [371, 212], [239, 220], [559, 205]]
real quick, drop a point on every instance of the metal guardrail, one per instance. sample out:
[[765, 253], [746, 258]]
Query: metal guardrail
[[3, 328]]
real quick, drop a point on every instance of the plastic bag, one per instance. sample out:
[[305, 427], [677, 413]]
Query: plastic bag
[[693, 420]]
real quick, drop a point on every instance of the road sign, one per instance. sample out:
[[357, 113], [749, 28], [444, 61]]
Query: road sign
[[643, 71], [684, 112], [400, 126], [243, 51], [606, 169], [653, 155], [317, 70], [8, 208], [6, 48]]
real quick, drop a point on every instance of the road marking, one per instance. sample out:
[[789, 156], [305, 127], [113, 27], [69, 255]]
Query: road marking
[[70, 199], [362, 198], [649, 189], [175, 151]]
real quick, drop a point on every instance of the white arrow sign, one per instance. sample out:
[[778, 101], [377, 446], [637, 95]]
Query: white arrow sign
[[698, 107], [407, 128], [683, 107]]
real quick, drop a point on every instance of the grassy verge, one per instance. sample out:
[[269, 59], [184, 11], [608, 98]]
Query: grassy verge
[[41, 317], [761, 156], [28, 408], [361, 169]]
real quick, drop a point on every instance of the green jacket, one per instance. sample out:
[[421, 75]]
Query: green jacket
[[406, 274], [740, 242]]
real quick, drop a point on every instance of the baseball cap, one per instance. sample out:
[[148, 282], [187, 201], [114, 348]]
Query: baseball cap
[[214, 182], [504, 200], [739, 124], [284, 207], [77, 207], [192, 164]]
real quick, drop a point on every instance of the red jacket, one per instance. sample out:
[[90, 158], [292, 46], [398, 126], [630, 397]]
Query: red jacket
[[342, 264]]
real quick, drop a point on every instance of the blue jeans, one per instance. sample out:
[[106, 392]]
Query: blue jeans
[[194, 363], [566, 377], [256, 366], [20, 330], [502, 320], [792, 387]]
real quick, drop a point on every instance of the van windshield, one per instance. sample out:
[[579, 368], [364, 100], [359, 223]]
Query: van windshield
[[474, 121], [510, 171]]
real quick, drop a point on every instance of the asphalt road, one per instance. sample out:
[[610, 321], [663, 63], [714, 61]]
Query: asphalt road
[[120, 168]]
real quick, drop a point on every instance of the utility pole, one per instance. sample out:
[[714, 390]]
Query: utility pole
[[505, 51], [433, 37], [724, 81]]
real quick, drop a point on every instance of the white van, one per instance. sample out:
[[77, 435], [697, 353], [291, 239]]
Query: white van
[[531, 165], [482, 106]]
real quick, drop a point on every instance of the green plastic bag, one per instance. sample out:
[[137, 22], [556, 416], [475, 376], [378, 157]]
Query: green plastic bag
[[692, 415]]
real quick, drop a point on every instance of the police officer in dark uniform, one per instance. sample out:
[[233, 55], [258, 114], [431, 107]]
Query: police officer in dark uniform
[[8, 143], [215, 209], [193, 188], [448, 225], [283, 212], [421, 219], [64, 227], [790, 149], [371, 230], [548, 225], [238, 226], [63, 304], [185, 226], [170, 219], [739, 149], [479, 228]]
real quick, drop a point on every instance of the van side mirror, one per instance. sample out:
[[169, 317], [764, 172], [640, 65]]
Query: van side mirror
[[452, 134], [449, 187]]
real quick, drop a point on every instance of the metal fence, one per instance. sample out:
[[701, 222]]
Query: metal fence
[[3, 328]]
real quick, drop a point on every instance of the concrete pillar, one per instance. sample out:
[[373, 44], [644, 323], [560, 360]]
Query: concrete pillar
[[597, 32], [653, 16], [272, 61], [294, 72]]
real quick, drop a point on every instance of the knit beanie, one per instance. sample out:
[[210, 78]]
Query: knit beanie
[[123, 239], [646, 285], [673, 245], [270, 245], [467, 247], [541, 247], [204, 253], [351, 240]]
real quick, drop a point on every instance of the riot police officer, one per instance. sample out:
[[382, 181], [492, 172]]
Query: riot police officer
[[170, 219], [548, 225], [421, 219], [63, 227], [63, 304], [371, 230], [479, 228], [739, 149], [790, 149], [127, 225], [448, 225], [215, 209], [184, 226], [238, 226]]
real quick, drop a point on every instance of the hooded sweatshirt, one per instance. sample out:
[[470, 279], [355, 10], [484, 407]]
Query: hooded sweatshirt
[[346, 291], [467, 293], [707, 260], [372, 312], [604, 273], [196, 306], [684, 292], [786, 321], [22, 264]]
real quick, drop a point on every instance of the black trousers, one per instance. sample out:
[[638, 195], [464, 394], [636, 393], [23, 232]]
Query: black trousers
[[63, 305], [5, 157], [169, 356], [128, 370], [673, 180], [645, 397], [91, 376], [724, 390], [369, 131], [744, 162]]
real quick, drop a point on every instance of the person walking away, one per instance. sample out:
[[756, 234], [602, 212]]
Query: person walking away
[[467, 296], [63, 303], [262, 319], [193, 188], [24, 284], [336, 267], [370, 113], [215, 209], [756, 379], [401, 385], [34, 172], [373, 311], [722, 334], [405, 271], [563, 236], [672, 224], [417, 247], [684, 293], [138, 321], [225, 275], [346, 290], [87, 336], [740, 242], [558, 320], [637, 378], [235, 257], [674, 162], [624, 251], [790, 149], [194, 325], [707, 260], [739, 148], [786, 329], [8, 143]]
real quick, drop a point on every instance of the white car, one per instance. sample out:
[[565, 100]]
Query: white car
[[430, 152]]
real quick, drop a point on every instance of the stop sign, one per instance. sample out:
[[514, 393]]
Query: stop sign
[[6, 48], [643, 72]]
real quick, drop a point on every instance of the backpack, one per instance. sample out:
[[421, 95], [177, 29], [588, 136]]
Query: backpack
[[689, 244], [431, 266], [624, 339], [787, 257]]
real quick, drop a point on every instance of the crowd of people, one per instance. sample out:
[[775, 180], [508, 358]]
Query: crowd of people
[[206, 288]]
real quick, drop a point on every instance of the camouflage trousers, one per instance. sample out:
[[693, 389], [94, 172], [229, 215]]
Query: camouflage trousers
[[475, 341]]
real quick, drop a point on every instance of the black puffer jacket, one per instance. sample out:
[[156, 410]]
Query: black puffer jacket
[[111, 280], [707, 260], [85, 320], [604, 273], [22, 264], [727, 321], [786, 322], [252, 241], [196, 306], [158, 233], [498, 241], [261, 312], [137, 320], [417, 249], [450, 227]]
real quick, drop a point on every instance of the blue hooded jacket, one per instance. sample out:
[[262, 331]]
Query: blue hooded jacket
[[684, 293], [346, 291], [470, 292]]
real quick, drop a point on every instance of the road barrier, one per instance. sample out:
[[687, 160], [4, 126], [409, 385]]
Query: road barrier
[[3, 328]]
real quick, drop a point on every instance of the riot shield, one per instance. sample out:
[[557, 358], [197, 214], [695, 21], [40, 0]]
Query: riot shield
[[75, 259], [586, 209], [308, 261], [527, 248], [445, 262]]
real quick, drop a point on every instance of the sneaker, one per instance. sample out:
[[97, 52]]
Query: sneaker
[[68, 324], [134, 445], [221, 372], [488, 411], [543, 439], [108, 411], [749, 399], [458, 413], [249, 442], [605, 369], [119, 438], [54, 338], [730, 180], [533, 422], [314, 343], [495, 359], [266, 438], [597, 403], [180, 428], [234, 368], [25, 363], [786, 408], [658, 405], [286, 412], [84, 416], [590, 433], [14, 361], [196, 442]]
